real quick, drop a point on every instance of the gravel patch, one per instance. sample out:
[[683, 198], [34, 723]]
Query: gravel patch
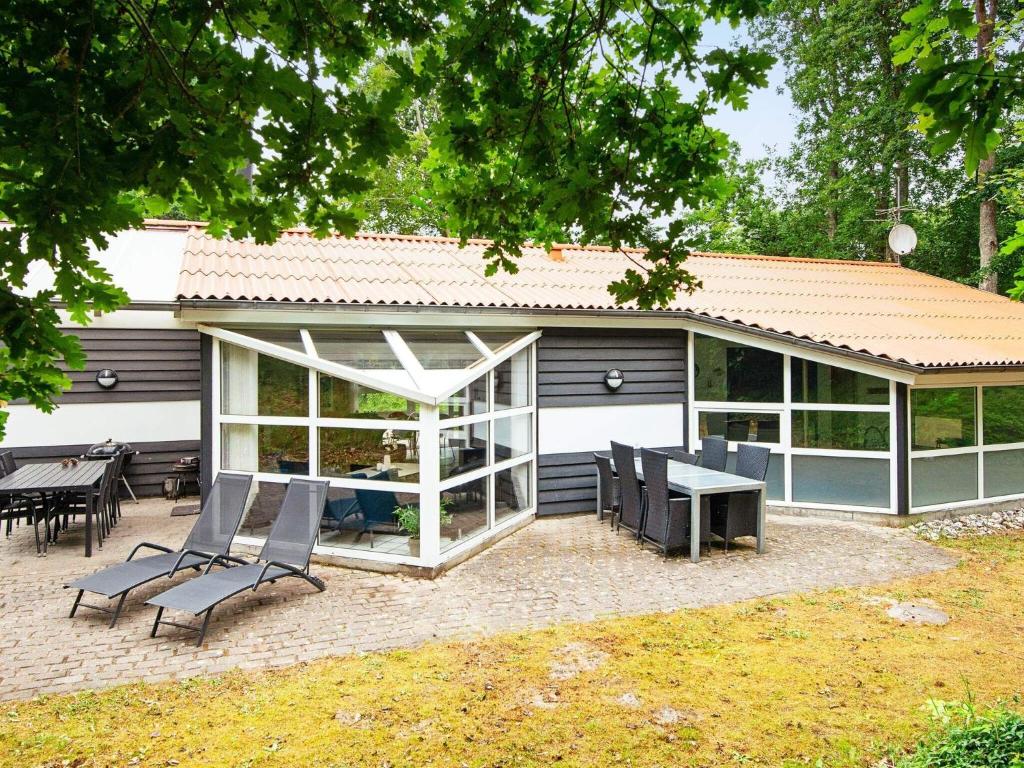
[[970, 525]]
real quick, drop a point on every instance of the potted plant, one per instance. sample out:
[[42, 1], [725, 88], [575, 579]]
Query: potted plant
[[408, 516]]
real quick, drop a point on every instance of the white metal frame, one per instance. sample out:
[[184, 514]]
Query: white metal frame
[[428, 426], [979, 449], [785, 409]]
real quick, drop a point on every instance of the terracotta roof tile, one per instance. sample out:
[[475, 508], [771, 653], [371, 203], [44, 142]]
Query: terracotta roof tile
[[882, 310]]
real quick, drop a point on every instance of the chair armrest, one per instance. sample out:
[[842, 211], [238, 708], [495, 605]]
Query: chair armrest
[[226, 561], [185, 553], [148, 545], [275, 564]]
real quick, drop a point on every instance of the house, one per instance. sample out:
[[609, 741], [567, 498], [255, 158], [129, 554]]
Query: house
[[393, 367]]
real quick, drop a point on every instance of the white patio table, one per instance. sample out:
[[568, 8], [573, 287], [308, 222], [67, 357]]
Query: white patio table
[[697, 482]]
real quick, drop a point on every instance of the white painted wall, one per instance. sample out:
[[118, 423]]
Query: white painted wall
[[94, 422], [571, 430]]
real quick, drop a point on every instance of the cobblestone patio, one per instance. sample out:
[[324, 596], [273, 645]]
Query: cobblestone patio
[[554, 570]]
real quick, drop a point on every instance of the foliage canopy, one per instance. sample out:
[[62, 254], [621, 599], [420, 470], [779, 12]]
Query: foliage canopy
[[555, 119]]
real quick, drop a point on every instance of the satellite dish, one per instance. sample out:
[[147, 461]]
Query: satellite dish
[[902, 239]]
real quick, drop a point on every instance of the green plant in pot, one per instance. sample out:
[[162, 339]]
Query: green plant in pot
[[408, 516]]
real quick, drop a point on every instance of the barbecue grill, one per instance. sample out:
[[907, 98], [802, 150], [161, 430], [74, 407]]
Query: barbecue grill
[[103, 451]]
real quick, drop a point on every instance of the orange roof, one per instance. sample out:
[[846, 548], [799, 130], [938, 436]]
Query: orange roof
[[882, 310]]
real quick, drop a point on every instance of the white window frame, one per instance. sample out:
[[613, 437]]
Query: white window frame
[[429, 425], [980, 448], [785, 409]]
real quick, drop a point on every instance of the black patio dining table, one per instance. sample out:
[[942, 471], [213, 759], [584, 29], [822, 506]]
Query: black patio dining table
[[697, 482], [54, 478]]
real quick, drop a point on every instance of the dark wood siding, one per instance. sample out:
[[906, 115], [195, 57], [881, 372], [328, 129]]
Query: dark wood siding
[[571, 364], [146, 473], [152, 364], [566, 483]]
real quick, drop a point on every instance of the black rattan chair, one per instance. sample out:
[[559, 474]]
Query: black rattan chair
[[739, 516], [667, 518], [677, 454], [631, 504], [714, 453], [608, 484]]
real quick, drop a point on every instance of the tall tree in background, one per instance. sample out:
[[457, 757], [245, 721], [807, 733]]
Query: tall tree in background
[[854, 156], [988, 239], [969, 81]]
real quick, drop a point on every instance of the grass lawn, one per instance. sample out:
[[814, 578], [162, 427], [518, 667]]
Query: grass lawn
[[824, 676]]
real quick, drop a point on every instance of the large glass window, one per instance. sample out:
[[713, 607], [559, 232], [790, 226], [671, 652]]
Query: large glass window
[[943, 479], [464, 448], [379, 521], [365, 350], [442, 349], [841, 480], [353, 452], [252, 384], [1004, 415], [468, 401], [368, 438], [512, 382], [340, 399], [827, 384], [725, 371], [943, 418], [739, 427], [513, 436], [1004, 472], [463, 512], [841, 430], [512, 491], [265, 448]]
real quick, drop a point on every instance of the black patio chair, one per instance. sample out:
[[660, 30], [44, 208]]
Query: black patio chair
[[667, 517], [714, 453], [285, 553], [211, 535], [15, 508], [682, 456], [609, 487], [739, 516], [631, 501], [70, 505]]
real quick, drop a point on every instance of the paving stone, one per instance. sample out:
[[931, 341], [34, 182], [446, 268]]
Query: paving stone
[[553, 570]]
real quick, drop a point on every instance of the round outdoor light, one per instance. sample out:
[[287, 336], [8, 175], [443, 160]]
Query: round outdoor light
[[107, 378], [614, 379]]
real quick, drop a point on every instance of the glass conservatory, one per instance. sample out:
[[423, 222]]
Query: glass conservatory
[[426, 436]]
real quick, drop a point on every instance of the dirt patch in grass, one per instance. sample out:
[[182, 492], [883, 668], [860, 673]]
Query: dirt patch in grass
[[768, 682]]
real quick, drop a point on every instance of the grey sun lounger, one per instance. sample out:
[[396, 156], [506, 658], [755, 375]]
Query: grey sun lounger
[[211, 535], [285, 553]]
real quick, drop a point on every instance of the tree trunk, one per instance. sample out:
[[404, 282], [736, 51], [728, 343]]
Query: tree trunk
[[988, 240], [831, 215]]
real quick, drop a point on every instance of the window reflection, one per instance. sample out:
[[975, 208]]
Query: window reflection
[[726, 371], [463, 449], [340, 399], [395, 452], [820, 383], [841, 430], [740, 427], [258, 385], [943, 418]]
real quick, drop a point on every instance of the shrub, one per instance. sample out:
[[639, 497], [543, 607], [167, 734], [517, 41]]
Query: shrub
[[966, 739]]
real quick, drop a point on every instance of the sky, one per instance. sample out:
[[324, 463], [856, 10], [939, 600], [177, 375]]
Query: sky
[[769, 120]]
